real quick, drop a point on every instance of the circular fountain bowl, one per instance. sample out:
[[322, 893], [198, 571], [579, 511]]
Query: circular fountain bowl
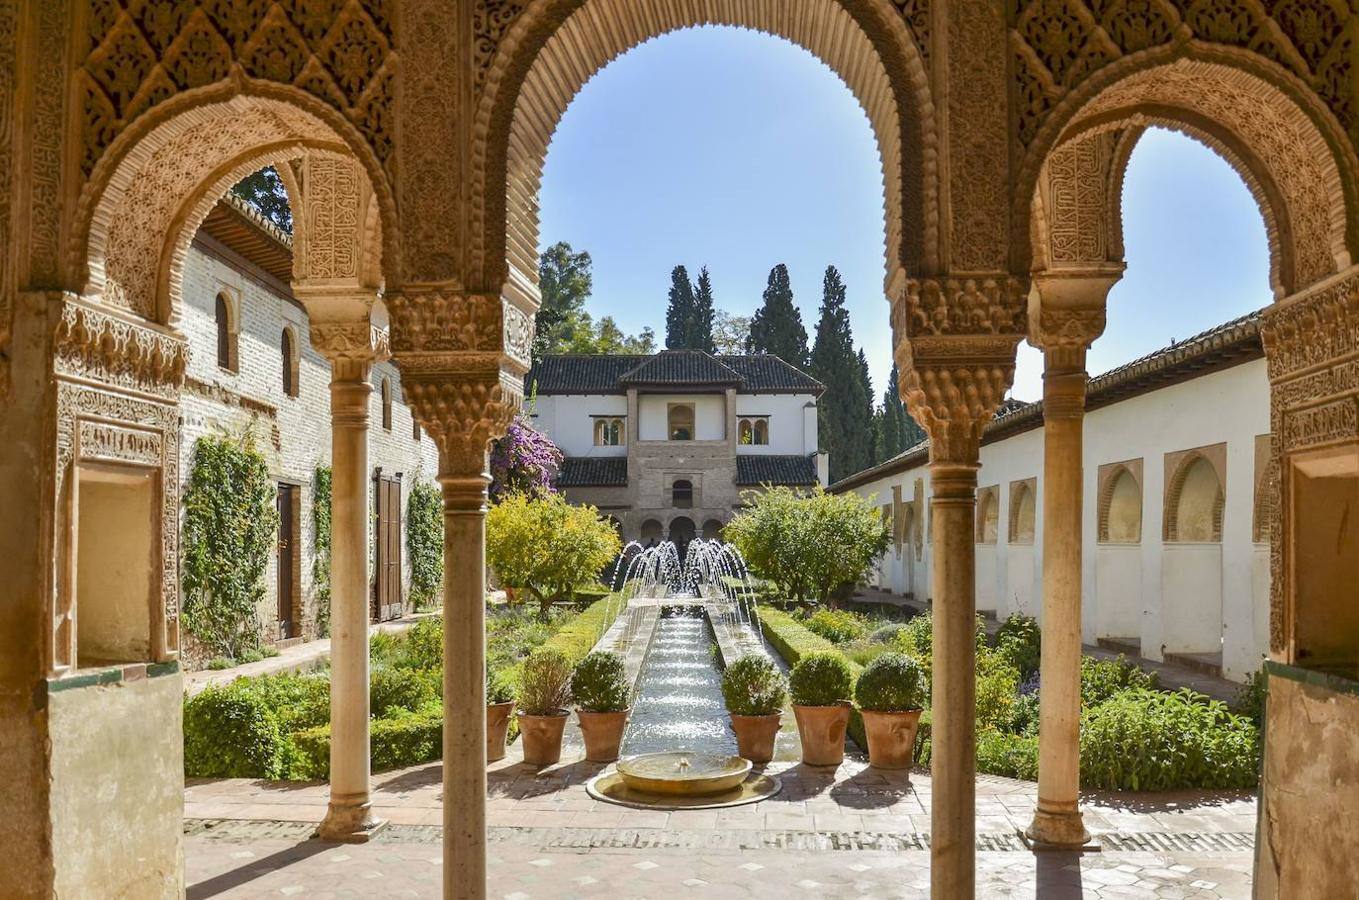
[[685, 774]]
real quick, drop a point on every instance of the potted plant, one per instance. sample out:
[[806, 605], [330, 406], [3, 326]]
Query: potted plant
[[820, 685], [544, 692], [891, 697], [603, 698], [754, 690], [499, 708]]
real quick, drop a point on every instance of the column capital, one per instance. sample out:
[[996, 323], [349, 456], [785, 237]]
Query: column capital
[[463, 412], [1066, 311], [437, 326], [955, 352]]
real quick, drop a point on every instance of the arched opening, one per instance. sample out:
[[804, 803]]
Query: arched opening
[[746, 432], [1118, 601], [682, 494], [682, 532], [1191, 567], [988, 516], [1022, 514], [679, 420], [289, 357], [1120, 515], [224, 316], [1194, 503], [652, 532], [386, 403], [761, 435], [712, 530]]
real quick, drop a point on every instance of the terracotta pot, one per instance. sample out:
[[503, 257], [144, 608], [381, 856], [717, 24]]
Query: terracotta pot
[[891, 737], [822, 730], [542, 737], [497, 729], [755, 736], [603, 733]]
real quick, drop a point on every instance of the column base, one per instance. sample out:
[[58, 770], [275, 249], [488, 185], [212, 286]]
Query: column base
[[350, 823], [1058, 830]]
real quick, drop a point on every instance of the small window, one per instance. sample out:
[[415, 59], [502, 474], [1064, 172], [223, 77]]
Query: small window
[[415, 430], [680, 421], [761, 431], [608, 432], [226, 334], [682, 494], [753, 430], [387, 403], [288, 350], [746, 432]]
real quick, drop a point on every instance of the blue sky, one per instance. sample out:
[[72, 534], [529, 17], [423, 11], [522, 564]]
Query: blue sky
[[738, 151]]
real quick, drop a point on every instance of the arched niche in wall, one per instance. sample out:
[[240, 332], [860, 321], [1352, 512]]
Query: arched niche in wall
[[1120, 502], [1023, 510], [1195, 495], [988, 514]]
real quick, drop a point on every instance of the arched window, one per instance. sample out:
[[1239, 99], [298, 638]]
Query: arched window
[[1194, 510], [226, 333], [988, 515], [1022, 513], [288, 350], [746, 432], [682, 532], [680, 421], [682, 494], [608, 432], [761, 431], [1120, 509], [753, 430], [386, 403]]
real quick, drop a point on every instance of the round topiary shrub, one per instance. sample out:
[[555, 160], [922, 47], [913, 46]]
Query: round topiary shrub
[[892, 683], [392, 689], [754, 686], [600, 683], [232, 733], [1145, 740], [545, 683], [821, 679]]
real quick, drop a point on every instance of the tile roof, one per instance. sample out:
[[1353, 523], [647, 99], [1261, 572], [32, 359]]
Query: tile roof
[[593, 471], [614, 374], [753, 469]]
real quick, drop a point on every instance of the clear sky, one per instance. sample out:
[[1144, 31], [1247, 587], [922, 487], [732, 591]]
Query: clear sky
[[738, 151]]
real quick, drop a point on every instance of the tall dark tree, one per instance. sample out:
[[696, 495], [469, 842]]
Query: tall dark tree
[[565, 281], [679, 312], [700, 331], [840, 412], [866, 414], [897, 431], [777, 327], [265, 192]]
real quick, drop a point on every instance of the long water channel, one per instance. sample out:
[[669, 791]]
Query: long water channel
[[679, 701]]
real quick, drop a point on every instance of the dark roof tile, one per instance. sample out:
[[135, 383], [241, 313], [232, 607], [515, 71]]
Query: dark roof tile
[[614, 374], [687, 367], [593, 471], [759, 469]]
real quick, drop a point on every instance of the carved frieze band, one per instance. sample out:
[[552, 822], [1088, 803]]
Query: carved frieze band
[[974, 305], [92, 344], [452, 322], [351, 340]]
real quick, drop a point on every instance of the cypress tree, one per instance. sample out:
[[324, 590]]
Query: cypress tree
[[777, 325], [865, 434], [700, 331], [679, 313], [839, 411]]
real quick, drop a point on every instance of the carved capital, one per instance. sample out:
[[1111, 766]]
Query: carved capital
[[463, 412], [99, 346], [446, 329], [1067, 311], [351, 347], [954, 402], [973, 305]]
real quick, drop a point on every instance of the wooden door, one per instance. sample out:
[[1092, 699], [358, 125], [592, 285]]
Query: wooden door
[[287, 565], [387, 599]]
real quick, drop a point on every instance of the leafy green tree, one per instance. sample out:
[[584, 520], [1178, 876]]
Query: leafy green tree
[[265, 192], [604, 337], [700, 331], [809, 545], [230, 520], [565, 280], [841, 423], [679, 311], [547, 546], [776, 327], [425, 542], [730, 333]]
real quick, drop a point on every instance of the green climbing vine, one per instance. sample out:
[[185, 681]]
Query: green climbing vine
[[320, 562], [425, 543], [230, 521]]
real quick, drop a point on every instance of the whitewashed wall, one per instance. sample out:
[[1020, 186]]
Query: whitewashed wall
[[788, 426], [567, 419], [710, 415], [1218, 590]]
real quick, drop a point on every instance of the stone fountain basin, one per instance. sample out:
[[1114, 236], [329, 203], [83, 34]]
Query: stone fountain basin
[[683, 774]]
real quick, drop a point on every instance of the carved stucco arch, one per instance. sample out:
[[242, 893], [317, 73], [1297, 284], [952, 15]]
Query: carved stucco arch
[[147, 196], [1274, 132], [555, 46]]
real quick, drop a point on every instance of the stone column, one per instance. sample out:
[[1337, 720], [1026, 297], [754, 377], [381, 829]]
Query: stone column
[[352, 349], [955, 348], [1066, 315]]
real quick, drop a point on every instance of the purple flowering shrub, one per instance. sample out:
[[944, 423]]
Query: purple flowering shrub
[[524, 461]]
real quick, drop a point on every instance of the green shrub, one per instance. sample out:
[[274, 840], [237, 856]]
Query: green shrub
[[297, 701], [1103, 678], [385, 648], [218, 663], [586, 594], [320, 561], [1250, 699], [863, 652], [232, 733], [891, 683], [1024, 715], [425, 543], [1020, 640], [1010, 755], [577, 637], [408, 739], [424, 644], [499, 686], [1146, 740], [997, 682], [754, 686], [391, 688], [821, 679], [887, 634], [836, 625], [544, 682], [793, 642], [599, 683]]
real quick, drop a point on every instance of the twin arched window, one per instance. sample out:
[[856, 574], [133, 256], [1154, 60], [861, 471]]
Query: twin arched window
[[609, 432], [754, 430]]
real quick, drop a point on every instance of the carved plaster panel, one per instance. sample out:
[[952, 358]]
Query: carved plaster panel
[[463, 414], [98, 346]]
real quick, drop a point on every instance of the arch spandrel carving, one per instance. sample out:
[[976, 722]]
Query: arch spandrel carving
[[532, 58]]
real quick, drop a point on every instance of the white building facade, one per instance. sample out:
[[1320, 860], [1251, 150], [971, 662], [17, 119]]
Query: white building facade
[[666, 444], [253, 369], [1176, 545]]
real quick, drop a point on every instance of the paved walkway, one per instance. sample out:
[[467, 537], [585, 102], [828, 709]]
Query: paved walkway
[[856, 832]]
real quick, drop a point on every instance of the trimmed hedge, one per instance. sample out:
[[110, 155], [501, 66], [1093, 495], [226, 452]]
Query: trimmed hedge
[[408, 739], [794, 641], [233, 733], [578, 637]]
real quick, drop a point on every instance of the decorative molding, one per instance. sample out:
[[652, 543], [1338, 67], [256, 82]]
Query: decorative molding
[[112, 443], [444, 321], [463, 414], [351, 340], [982, 305], [1319, 328], [102, 347]]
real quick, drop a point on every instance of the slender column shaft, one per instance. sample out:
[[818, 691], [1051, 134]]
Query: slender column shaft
[[1057, 820], [349, 817], [953, 753], [464, 686]]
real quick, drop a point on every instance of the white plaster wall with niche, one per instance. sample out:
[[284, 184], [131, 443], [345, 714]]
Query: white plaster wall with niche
[[710, 416], [787, 428]]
